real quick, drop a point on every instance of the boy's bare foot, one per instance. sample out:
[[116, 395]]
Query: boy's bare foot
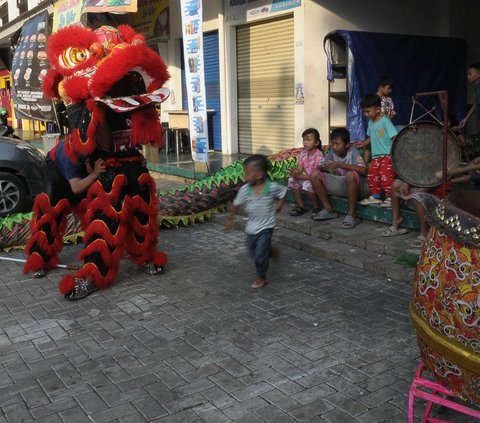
[[258, 283]]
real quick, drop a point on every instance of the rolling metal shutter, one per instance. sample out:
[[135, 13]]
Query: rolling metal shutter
[[265, 84]]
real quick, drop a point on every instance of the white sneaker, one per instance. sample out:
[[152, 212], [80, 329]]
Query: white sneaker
[[387, 203], [370, 200]]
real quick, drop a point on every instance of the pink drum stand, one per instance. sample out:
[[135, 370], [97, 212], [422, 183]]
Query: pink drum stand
[[434, 393]]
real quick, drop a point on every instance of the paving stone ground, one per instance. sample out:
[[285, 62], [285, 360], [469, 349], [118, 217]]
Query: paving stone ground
[[323, 342]]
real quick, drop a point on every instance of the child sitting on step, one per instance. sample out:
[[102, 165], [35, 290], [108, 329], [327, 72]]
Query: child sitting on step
[[299, 180], [341, 173]]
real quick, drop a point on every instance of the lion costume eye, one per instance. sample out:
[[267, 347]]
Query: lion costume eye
[[73, 56]]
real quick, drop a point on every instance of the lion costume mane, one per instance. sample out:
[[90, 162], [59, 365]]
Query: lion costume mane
[[110, 82]]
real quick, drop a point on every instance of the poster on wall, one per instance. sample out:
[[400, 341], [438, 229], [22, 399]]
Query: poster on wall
[[29, 67], [66, 12], [153, 19], [241, 10], [192, 29], [112, 6]]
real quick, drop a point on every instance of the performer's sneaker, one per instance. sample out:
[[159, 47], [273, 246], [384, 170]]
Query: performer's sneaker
[[152, 269], [81, 290], [40, 273]]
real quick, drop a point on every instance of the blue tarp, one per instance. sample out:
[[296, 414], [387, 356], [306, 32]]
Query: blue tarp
[[415, 63]]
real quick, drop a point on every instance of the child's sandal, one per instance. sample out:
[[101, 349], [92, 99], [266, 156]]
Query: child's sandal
[[298, 211]]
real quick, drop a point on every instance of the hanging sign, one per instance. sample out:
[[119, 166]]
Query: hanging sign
[[112, 6], [29, 67], [66, 12], [192, 26]]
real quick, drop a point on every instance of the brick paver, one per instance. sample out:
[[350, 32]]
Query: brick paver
[[323, 342]]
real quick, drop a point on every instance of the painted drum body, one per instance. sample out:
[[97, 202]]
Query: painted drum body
[[445, 308]]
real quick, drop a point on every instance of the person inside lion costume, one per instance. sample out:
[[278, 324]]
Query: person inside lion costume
[[111, 84]]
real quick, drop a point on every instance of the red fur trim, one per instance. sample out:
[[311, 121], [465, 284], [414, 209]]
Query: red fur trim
[[91, 272], [96, 116], [98, 246], [70, 36], [155, 68], [76, 88], [129, 33], [146, 127], [50, 84], [99, 227], [40, 239], [34, 262], [67, 284], [54, 260], [160, 259], [122, 59]]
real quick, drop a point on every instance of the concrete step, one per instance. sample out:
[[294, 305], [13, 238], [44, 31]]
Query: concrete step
[[362, 247]]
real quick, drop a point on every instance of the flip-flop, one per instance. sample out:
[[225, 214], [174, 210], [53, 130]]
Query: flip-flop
[[391, 231], [325, 215], [298, 211], [349, 222], [418, 241]]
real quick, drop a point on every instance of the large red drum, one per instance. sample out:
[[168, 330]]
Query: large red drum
[[445, 308]]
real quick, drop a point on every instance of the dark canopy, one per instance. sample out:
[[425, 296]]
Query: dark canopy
[[415, 63]]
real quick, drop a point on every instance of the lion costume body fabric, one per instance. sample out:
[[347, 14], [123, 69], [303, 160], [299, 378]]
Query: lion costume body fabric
[[110, 82]]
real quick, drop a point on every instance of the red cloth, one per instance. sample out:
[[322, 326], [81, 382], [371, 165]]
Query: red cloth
[[381, 175]]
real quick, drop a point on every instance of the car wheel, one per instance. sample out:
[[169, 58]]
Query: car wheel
[[13, 194]]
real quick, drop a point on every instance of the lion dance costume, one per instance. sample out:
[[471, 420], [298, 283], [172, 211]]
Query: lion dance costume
[[110, 82]]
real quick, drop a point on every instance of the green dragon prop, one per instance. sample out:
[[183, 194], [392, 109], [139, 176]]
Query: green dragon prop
[[178, 207]]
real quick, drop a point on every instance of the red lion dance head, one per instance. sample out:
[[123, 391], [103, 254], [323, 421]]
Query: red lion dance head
[[116, 76]]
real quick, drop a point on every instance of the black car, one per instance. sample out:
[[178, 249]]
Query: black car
[[21, 175]]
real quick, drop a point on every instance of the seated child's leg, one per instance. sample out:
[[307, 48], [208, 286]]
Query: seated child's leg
[[421, 214], [396, 218], [307, 187], [317, 179], [352, 180]]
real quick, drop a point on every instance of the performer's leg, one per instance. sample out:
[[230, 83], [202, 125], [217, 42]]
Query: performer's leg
[[47, 228], [143, 228], [49, 221], [104, 239]]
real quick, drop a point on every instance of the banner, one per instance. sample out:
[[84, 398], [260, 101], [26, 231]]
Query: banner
[[29, 66], [153, 19], [112, 6], [66, 12], [192, 28]]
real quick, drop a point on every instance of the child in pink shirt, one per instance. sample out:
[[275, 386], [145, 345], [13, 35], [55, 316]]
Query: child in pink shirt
[[307, 162]]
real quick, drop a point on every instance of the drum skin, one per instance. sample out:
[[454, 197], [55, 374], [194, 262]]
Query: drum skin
[[445, 308], [417, 154]]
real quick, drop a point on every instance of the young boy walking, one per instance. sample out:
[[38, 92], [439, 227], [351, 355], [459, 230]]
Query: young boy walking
[[261, 199]]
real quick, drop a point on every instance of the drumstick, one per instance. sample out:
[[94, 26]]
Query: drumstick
[[61, 266]]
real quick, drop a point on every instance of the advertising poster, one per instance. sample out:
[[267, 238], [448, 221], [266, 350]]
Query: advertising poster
[[241, 10], [192, 28], [112, 6], [66, 12], [29, 66], [153, 19]]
